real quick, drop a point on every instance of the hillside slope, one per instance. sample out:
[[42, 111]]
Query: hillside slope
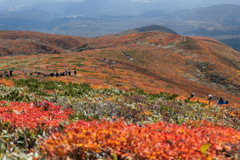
[[22, 42], [153, 61], [146, 29]]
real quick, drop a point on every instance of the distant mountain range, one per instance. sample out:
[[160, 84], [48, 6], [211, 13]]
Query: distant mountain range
[[212, 21], [109, 7], [221, 22]]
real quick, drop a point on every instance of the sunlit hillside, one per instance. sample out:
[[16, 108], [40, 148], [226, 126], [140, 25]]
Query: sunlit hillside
[[120, 97], [152, 61]]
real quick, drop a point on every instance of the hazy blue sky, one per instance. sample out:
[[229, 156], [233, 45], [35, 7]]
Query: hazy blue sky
[[27, 0], [179, 1], [35, 1]]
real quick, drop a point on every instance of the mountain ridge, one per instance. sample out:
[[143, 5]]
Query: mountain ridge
[[146, 29]]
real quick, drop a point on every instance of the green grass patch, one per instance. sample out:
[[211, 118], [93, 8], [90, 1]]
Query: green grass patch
[[82, 70], [38, 67], [81, 58], [116, 77], [168, 86], [26, 61], [190, 44], [55, 58], [52, 70], [131, 53], [79, 64], [12, 68], [73, 61], [170, 44]]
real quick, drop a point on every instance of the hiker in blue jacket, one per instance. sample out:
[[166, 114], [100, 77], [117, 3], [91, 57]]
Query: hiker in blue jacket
[[221, 101]]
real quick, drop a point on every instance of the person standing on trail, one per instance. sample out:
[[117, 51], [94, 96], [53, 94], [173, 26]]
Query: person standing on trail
[[69, 73], [57, 74], [10, 72], [75, 72], [63, 74], [66, 72], [192, 95]]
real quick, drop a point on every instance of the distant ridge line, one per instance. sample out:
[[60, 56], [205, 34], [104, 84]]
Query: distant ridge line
[[146, 29]]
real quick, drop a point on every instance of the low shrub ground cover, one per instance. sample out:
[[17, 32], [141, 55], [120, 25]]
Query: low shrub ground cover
[[23, 123], [111, 123], [31, 115], [160, 140]]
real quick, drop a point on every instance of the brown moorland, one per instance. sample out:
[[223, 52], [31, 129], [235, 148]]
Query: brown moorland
[[152, 61]]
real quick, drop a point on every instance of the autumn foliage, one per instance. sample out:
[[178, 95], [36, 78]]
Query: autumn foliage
[[162, 62], [32, 115], [128, 76], [6, 82], [156, 126], [155, 141], [20, 42]]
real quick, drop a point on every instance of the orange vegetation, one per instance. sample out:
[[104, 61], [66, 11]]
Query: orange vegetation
[[152, 61], [151, 141], [5, 82], [33, 115]]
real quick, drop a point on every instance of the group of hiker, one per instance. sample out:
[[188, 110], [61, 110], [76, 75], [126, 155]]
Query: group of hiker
[[66, 73], [212, 98], [57, 74], [52, 74], [6, 74]]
